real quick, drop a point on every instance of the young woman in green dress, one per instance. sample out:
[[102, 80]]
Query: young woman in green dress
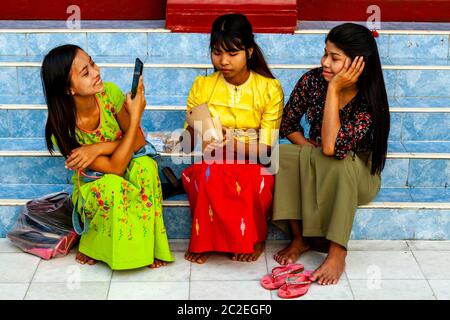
[[97, 128]]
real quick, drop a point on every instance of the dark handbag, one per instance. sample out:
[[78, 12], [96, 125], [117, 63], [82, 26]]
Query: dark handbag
[[44, 227]]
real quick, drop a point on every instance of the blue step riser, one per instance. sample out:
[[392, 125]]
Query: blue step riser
[[178, 81], [31, 123], [398, 173], [394, 46], [50, 170], [404, 126], [380, 224]]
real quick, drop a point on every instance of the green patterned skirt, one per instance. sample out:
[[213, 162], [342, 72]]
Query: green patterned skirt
[[126, 226], [323, 192]]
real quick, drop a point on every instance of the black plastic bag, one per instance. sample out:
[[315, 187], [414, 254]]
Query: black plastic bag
[[44, 227]]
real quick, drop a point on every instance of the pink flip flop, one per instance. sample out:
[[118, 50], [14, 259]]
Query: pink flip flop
[[296, 285], [278, 276]]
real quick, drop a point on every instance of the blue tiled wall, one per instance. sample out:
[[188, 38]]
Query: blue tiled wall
[[177, 81], [404, 126], [398, 173], [170, 86], [419, 46]]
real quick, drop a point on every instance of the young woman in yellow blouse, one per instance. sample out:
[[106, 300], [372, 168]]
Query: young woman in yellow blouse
[[231, 201]]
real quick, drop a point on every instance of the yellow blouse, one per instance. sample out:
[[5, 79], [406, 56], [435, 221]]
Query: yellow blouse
[[256, 104]]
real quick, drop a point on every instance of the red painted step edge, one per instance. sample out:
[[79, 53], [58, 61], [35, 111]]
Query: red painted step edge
[[320, 10], [268, 16], [89, 10], [390, 10]]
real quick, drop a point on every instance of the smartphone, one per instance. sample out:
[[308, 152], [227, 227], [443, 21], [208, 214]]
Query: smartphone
[[138, 67]]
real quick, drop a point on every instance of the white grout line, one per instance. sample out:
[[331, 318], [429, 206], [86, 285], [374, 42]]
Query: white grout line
[[407, 205], [43, 153], [44, 107], [209, 66], [20, 202], [417, 155], [176, 108], [87, 30], [386, 32], [405, 67], [31, 281], [392, 155], [163, 30], [373, 205], [423, 273], [419, 109]]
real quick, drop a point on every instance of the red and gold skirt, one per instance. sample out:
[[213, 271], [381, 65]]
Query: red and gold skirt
[[230, 206]]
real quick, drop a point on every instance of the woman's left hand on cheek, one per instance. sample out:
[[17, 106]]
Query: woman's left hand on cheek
[[349, 73]]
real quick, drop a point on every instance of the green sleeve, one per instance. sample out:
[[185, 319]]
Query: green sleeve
[[115, 95], [55, 144]]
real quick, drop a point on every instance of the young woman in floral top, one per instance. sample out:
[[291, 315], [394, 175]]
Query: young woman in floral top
[[322, 179], [96, 127]]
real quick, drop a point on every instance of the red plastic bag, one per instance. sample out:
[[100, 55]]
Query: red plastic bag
[[44, 227]]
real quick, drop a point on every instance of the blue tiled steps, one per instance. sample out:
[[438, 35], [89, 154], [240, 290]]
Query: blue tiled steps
[[175, 79], [28, 161], [415, 215], [414, 202], [408, 121]]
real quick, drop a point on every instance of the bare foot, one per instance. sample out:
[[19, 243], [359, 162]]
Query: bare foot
[[332, 268], [292, 252], [199, 258], [157, 263], [249, 257], [83, 259]]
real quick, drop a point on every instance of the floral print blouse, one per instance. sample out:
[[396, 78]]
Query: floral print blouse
[[308, 97]]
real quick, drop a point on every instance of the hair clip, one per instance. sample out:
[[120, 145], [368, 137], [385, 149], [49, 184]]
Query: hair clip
[[375, 33]]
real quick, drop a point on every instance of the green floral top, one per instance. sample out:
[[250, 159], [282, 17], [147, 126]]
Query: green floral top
[[110, 101]]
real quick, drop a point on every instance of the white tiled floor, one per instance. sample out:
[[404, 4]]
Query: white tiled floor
[[415, 270]]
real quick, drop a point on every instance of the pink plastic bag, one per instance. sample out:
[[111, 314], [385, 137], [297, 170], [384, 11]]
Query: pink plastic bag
[[61, 249]]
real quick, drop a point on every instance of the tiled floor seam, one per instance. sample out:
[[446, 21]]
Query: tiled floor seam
[[145, 281], [266, 257], [31, 280], [350, 286], [109, 286], [423, 273], [408, 245], [190, 280], [392, 279]]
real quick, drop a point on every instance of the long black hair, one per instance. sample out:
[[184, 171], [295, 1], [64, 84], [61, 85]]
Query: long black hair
[[233, 32], [357, 40], [61, 120]]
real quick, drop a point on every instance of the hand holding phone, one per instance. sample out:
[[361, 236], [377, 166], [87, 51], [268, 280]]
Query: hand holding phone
[[136, 106], [138, 67]]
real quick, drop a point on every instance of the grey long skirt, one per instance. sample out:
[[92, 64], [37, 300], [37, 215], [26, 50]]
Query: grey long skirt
[[322, 191]]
